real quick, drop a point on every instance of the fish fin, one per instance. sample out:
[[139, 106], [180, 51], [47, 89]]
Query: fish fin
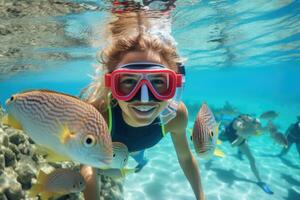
[[42, 177], [11, 121], [219, 153], [258, 133], [38, 187], [119, 145], [219, 142], [65, 135], [51, 156], [35, 190], [126, 171], [54, 157]]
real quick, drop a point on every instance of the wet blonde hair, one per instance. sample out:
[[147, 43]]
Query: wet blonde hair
[[129, 32]]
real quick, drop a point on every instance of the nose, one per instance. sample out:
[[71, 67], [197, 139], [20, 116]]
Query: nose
[[144, 94]]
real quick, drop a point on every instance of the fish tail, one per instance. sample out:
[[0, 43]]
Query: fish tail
[[126, 171], [219, 153], [35, 190], [38, 187]]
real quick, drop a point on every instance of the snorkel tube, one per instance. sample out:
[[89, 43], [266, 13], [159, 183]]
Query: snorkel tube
[[169, 112]]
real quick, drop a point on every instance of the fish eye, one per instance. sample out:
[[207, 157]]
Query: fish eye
[[89, 141], [240, 124], [114, 155], [212, 134], [12, 98]]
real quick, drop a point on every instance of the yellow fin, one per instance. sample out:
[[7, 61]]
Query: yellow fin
[[126, 171], [38, 187], [42, 177], [11, 121], [65, 135], [51, 156], [219, 142], [219, 153], [54, 157], [258, 133], [35, 190]]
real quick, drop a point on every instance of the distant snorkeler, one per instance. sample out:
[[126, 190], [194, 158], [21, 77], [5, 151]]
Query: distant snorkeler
[[237, 133], [293, 136]]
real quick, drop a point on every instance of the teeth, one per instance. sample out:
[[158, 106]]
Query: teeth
[[144, 108]]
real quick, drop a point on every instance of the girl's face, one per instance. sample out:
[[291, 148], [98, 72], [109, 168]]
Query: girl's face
[[137, 113]]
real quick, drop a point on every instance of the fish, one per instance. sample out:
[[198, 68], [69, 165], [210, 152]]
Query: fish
[[120, 155], [205, 133], [269, 115], [57, 183], [279, 138], [64, 126], [117, 168]]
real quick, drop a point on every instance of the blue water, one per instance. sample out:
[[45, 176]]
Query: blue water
[[246, 53]]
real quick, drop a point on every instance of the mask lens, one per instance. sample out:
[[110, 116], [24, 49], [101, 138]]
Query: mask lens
[[126, 83], [160, 83]]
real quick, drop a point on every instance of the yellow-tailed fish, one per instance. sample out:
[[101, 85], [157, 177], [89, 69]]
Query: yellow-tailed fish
[[117, 167], [205, 133], [116, 173], [57, 183], [63, 124], [120, 155]]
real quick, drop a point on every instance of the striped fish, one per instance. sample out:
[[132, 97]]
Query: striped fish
[[205, 133], [66, 127], [57, 183], [120, 155]]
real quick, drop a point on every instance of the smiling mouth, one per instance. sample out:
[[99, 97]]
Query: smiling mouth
[[144, 110]]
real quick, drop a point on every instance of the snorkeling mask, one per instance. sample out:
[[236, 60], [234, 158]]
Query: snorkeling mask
[[136, 79]]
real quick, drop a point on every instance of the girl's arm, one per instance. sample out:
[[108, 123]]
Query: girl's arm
[[188, 163], [92, 190]]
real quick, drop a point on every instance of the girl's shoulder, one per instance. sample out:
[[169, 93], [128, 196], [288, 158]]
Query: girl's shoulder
[[179, 123]]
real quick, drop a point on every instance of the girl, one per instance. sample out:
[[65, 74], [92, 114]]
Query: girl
[[136, 94]]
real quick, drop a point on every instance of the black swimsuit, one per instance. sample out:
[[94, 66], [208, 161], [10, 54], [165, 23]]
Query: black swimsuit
[[135, 138], [294, 133], [230, 134]]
